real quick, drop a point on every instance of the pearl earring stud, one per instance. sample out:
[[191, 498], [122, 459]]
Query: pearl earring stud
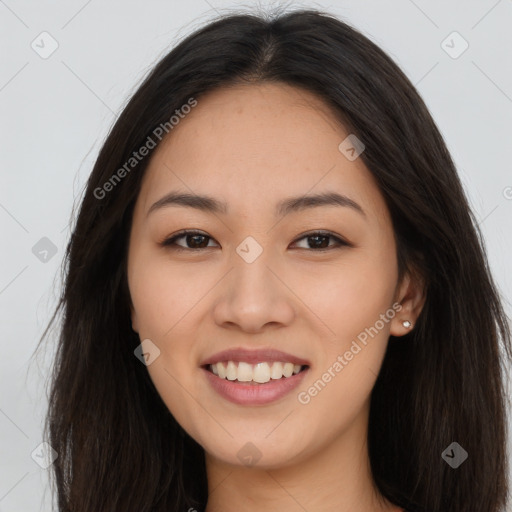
[[406, 323]]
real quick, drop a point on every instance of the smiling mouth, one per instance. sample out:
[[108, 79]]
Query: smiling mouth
[[254, 374]]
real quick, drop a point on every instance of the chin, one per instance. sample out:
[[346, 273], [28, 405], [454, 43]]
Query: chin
[[258, 454]]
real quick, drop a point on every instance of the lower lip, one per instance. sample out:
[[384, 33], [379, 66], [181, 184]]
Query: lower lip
[[254, 394]]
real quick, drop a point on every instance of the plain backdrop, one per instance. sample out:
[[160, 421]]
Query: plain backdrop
[[56, 109]]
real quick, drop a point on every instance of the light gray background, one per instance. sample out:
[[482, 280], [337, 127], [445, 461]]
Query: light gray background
[[56, 112]]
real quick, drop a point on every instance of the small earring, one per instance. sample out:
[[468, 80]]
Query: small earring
[[406, 323]]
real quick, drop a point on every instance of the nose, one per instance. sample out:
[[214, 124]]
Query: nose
[[254, 296]]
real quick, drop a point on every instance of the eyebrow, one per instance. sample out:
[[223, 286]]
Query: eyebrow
[[288, 205]]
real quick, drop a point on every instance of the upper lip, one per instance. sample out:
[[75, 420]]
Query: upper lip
[[253, 356]]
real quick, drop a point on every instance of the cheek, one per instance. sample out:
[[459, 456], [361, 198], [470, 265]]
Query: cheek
[[163, 298], [355, 305], [350, 296], [162, 293]]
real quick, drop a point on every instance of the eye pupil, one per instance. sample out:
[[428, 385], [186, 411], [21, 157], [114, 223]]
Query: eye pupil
[[324, 237], [199, 246]]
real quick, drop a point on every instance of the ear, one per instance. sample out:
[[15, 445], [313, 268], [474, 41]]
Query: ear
[[411, 295]]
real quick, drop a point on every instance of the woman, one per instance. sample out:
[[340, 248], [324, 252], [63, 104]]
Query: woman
[[276, 294]]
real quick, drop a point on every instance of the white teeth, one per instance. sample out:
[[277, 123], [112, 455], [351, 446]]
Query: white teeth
[[260, 372], [277, 371], [288, 369], [221, 369], [244, 372], [231, 371]]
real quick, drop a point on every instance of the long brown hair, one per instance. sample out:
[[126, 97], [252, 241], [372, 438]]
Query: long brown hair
[[119, 448]]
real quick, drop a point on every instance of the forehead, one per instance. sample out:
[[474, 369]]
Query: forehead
[[248, 143]]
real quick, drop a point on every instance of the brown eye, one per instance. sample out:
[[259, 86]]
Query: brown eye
[[194, 240], [319, 241]]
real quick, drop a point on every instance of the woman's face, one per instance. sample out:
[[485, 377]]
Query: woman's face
[[259, 278]]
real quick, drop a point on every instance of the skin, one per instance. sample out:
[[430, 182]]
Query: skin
[[252, 146]]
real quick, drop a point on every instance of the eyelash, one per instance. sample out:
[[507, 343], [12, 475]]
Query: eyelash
[[170, 242]]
